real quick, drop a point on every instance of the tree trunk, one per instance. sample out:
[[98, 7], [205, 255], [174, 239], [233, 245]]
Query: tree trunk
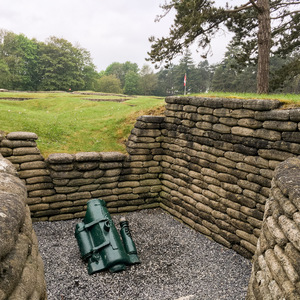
[[264, 45]]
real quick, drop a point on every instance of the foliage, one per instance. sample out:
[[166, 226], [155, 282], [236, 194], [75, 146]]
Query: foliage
[[53, 65], [286, 78], [147, 81], [108, 84], [200, 20], [131, 83], [19, 59], [120, 70], [231, 76], [171, 79]]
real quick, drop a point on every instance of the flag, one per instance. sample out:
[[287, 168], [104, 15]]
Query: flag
[[184, 80]]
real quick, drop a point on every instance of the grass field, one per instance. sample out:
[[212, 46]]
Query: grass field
[[71, 123], [76, 122]]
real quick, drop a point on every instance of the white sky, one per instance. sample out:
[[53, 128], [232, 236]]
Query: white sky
[[112, 31]]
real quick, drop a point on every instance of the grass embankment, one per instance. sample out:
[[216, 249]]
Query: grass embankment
[[78, 122], [71, 123], [292, 99]]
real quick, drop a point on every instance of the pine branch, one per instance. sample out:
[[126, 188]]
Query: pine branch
[[285, 15], [256, 6], [240, 8]]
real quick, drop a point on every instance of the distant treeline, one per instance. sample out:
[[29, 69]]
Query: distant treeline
[[56, 64]]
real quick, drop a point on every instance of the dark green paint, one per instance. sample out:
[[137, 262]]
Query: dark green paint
[[100, 243]]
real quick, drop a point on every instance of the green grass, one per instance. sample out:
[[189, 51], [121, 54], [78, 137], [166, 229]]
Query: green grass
[[286, 98], [70, 123]]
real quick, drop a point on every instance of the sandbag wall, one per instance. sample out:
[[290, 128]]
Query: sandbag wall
[[276, 264], [60, 186], [209, 162], [21, 266], [218, 163]]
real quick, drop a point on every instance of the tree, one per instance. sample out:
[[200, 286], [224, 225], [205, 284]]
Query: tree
[[147, 80], [121, 69], [19, 56], [230, 76], [108, 84], [166, 79], [131, 83], [4, 75], [251, 23], [285, 74], [204, 75], [64, 66]]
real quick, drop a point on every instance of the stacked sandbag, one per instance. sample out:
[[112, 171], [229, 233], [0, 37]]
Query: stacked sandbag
[[218, 161], [276, 264], [21, 266]]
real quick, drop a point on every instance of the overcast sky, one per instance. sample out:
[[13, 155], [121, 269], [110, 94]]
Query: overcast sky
[[112, 31]]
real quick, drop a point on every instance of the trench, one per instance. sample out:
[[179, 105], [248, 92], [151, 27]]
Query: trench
[[176, 263]]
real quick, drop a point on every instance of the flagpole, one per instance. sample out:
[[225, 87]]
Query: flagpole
[[184, 83]]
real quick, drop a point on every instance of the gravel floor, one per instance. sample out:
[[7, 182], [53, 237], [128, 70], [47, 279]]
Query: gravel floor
[[176, 263]]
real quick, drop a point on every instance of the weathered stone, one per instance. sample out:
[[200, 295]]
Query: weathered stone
[[151, 119], [222, 112], [262, 104], [20, 260], [7, 167], [276, 231], [294, 114], [86, 166], [249, 123], [280, 126], [6, 151], [291, 136], [242, 131], [238, 157], [39, 207], [26, 151], [290, 230], [279, 115], [60, 158], [226, 162], [25, 158], [39, 186], [79, 182], [274, 154], [90, 187], [61, 217], [228, 121], [41, 193], [17, 143], [54, 198], [242, 113], [65, 189], [21, 135], [204, 110], [244, 149], [60, 182], [61, 167], [81, 195], [221, 128], [77, 174], [287, 265], [33, 165], [287, 146]]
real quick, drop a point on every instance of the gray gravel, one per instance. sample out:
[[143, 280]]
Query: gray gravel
[[176, 263]]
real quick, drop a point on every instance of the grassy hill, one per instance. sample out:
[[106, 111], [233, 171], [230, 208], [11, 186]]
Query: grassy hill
[[87, 121], [75, 122]]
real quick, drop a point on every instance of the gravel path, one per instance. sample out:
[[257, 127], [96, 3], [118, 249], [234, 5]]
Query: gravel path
[[176, 263]]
